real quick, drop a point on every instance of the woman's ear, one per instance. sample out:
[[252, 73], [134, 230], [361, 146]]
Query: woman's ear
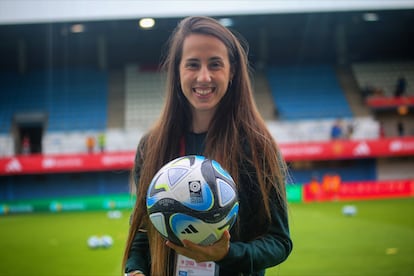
[[231, 76]]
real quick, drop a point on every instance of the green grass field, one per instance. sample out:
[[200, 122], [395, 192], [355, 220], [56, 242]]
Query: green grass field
[[379, 240]]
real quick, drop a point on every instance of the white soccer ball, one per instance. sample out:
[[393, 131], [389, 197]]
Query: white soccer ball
[[106, 241], [94, 242], [115, 214], [192, 198], [349, 210]]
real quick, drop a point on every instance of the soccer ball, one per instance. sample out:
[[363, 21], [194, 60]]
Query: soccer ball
[[349, 210], [94, 242], [192, 198], [106, 241]]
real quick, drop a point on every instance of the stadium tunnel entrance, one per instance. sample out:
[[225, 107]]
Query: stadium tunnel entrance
[[28, 131]]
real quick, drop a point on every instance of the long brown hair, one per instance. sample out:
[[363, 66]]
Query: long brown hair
[[236, 119]]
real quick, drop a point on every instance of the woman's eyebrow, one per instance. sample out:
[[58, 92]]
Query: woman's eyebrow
[[215, 59], [191, 59]]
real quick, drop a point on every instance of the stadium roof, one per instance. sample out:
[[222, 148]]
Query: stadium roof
[[42, 34], [42, 11]]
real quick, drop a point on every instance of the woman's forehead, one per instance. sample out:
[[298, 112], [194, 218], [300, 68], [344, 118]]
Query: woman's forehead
[[200, 44]]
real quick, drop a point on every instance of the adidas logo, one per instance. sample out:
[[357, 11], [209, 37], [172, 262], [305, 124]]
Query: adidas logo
[[362, 149], [190, 229], [396, 146], [13, 166]]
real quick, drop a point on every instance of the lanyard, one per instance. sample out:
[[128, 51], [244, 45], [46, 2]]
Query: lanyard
[[182, 146]]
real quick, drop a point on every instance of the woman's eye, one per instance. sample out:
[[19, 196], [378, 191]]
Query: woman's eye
[[192, 65], [215, 65]]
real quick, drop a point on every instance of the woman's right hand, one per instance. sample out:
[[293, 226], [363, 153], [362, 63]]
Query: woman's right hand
[[135, 273], [200, 253]]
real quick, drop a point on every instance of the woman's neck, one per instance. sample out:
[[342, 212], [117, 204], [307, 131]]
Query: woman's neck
[[201, 121]]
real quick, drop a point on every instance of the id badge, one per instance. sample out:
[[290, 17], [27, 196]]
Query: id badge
[[188, 267]]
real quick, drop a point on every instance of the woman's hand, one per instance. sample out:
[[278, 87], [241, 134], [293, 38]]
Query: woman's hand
[[135, 273], [201, 253]]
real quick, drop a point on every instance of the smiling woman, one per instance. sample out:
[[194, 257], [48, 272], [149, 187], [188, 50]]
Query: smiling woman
[[205, 74], [210, 111]]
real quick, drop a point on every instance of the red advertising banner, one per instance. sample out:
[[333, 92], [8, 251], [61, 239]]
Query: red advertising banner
[[389, 102], [330, 150], [360, 190], [41, 164], [348, 149]]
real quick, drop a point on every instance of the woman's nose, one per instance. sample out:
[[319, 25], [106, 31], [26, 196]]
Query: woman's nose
[[204, 75]]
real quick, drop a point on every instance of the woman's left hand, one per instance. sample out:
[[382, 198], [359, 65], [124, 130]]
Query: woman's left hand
[[202, 253]]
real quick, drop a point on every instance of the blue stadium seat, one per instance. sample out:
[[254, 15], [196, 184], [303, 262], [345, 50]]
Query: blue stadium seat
[[72, 99], [307, 92]]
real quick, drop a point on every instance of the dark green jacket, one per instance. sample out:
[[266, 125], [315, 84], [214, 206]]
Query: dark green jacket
[[256, 246]]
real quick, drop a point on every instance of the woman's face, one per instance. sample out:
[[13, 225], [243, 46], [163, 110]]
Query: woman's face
[[204, 72]]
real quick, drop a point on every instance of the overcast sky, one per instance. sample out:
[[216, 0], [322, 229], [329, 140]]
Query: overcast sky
[[36, 11]]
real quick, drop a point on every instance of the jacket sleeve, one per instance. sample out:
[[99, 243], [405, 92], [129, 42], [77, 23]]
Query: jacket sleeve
[[266, 251], [260, 245], [139, 256]]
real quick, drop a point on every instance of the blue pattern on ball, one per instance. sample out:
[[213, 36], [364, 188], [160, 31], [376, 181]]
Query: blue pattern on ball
[[192, 198], [220, 169]]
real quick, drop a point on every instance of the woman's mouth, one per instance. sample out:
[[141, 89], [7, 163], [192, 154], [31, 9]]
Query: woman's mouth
[[203, 91]]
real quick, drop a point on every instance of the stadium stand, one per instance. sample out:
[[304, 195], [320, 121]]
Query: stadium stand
[[116, 99], [123, 139], [63, 185], [315, 85], [319, 130], [384, 75], [263, 97], [59, 142], [143, 97], [75, 141], [349, 171], [57, 93], [6, 145]]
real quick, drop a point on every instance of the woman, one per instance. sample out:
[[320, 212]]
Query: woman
[[209, 110]]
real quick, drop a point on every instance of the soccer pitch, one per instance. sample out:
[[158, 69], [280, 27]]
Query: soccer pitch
[[378, 240]]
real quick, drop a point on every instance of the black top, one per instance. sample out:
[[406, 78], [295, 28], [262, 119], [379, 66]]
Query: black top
[[195, 143], [259, 244]]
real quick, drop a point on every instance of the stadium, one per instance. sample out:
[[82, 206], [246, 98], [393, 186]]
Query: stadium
[[80, 84]]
